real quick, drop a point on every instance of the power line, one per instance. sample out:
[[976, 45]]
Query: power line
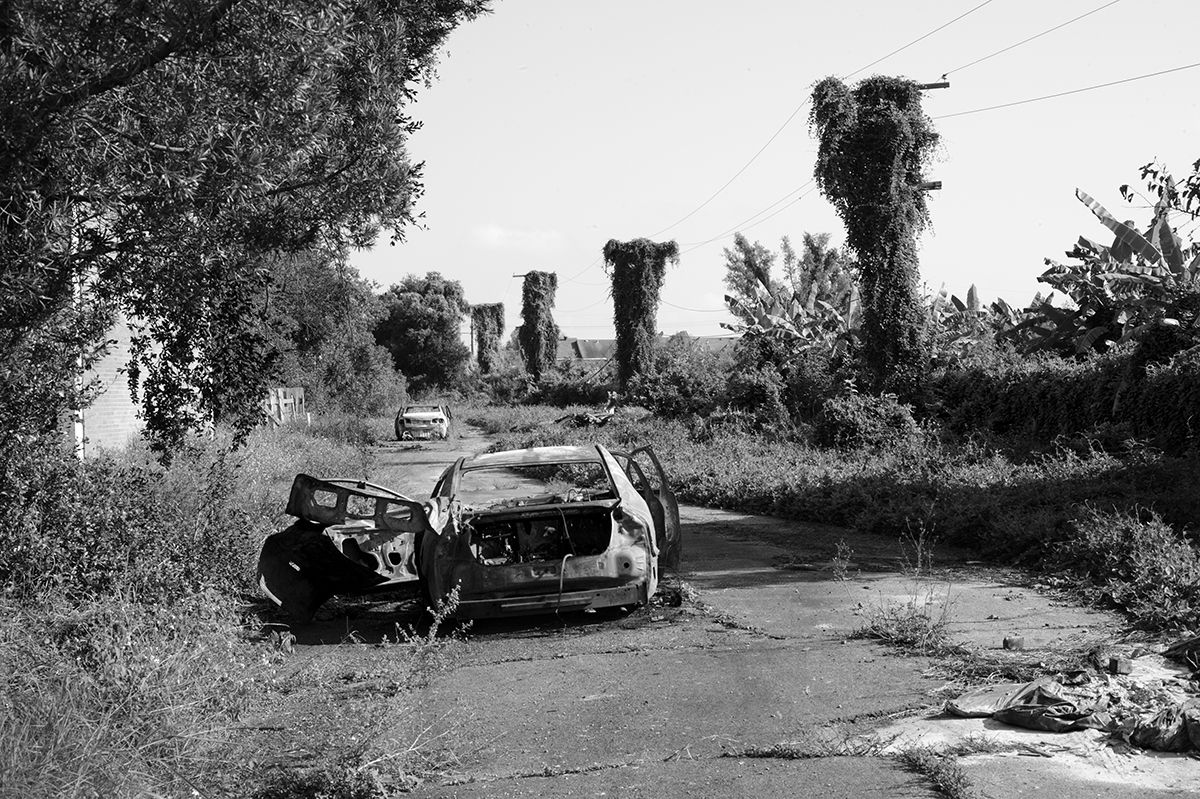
[[584, 308], [751, 218], [800, 108], [749, 227], [966, 13], [1072, 91], [981, 59], [737, 174], [696, 310]]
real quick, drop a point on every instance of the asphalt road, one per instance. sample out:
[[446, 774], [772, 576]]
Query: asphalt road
[[673, 701]]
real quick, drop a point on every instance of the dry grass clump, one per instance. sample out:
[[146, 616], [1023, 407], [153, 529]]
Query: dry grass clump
[[913, 626]]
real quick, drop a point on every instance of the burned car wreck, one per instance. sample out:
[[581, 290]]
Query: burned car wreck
[[524, 531]]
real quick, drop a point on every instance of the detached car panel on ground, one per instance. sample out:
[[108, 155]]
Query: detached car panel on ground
[[516, 532], [423, 421]]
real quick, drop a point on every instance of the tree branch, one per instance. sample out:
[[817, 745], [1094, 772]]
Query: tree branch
[[121, 75]]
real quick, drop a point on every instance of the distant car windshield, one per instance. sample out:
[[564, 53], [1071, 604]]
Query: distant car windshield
[[496, 487], [422, 409]]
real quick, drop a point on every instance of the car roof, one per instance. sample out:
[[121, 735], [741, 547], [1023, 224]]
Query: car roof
[[533, 456]]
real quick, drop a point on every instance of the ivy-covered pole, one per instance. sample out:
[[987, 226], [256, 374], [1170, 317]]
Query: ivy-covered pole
[[538, 334], [874, 141], [488, 321], [637, 269]]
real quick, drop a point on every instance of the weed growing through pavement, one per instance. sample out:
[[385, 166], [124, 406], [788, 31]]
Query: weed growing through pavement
[[841, 561], [917, 543], [941, 768], [845, 745], [429, 650], [915, 626]]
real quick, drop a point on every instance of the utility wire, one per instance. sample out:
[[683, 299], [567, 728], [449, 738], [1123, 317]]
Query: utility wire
[[943, 26], [750, 219], [1072, 91], [981, 59], [749, 227], [800, 108], [737, 174], [584, 308], [695, 310]]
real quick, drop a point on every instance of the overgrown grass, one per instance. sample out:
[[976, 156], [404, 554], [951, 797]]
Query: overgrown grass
[[114, 698], [123, 657], [1001, 498]]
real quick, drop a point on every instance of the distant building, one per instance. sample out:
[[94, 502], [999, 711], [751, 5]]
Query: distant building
[[111, 420]]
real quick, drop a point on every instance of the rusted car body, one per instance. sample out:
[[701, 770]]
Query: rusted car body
[[423, 421], [518, 532], [349, 537]]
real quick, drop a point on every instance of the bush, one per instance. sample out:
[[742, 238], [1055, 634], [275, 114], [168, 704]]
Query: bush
[[1139, 563], [573, 384], [852, 421], [758, 391], [1046, 397], [123, 523], [682, 379]]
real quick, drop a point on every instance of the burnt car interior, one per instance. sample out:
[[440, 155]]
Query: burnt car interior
[[524, 514]]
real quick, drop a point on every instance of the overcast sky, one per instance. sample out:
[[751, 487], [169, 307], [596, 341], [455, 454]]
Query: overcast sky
[[555, 125]]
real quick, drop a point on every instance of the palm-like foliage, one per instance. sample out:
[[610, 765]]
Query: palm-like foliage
[[1115, 292]]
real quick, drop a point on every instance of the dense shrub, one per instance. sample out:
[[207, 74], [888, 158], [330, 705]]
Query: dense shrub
[[124, 523], [757, 392], [808, 375], [1047, 396], [573, 384], [853, 421], [682, 378], [1139, 563]]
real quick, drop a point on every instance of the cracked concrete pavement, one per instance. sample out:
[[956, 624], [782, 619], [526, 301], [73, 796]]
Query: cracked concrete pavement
[[667, 701]]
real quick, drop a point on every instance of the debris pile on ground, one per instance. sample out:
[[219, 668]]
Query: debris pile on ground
[[1145, 700]]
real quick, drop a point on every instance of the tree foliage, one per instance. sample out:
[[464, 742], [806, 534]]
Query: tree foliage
[[538, 333], [638, 268], [1116, 293], [161, 153], [874, 143], [488, 321], [822, 273], [422, 329], [747, 268], [322, 316]]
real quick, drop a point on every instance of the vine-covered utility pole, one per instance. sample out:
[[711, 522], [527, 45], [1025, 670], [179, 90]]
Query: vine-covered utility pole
[[875, 141], [637, 268], [487, 322], [538, 334]]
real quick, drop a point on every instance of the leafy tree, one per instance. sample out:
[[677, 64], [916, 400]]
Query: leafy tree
[[422, 329], [160, 153], [488, 322], [748, 271], [323, 316], [822, 273], [874, 143], [638, 268], [538, 334]]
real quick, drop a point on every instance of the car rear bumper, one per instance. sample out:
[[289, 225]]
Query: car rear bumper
[[632, 594]]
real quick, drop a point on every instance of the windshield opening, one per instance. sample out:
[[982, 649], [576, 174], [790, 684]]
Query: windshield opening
[[498, 487]]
